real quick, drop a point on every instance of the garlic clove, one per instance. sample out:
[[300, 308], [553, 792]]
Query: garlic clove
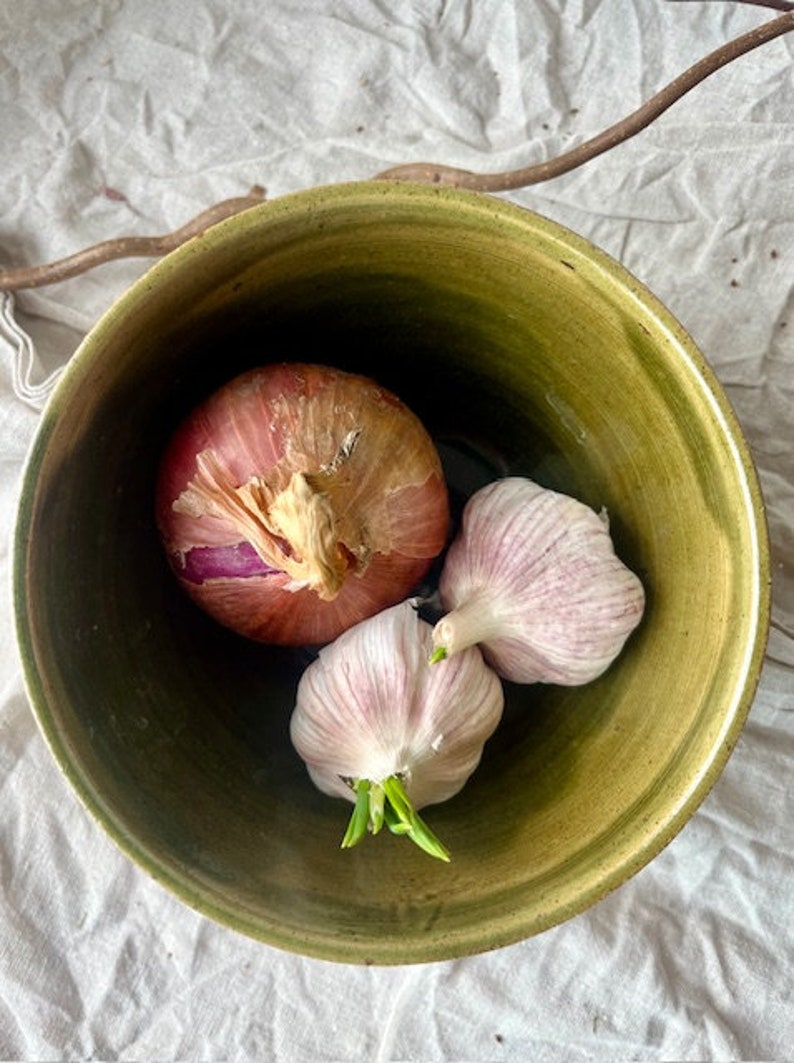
[[378, 727], [533, 578]]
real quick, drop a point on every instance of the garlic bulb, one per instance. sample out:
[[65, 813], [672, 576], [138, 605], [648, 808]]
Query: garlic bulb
[[533, 579], [376, 725]]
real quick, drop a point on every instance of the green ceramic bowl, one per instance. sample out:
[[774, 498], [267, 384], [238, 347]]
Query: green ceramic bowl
[[525, 350]]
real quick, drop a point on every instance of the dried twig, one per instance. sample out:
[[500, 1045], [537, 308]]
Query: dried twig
[[36, 276], [126, 246], [776, 5], [609, 138]]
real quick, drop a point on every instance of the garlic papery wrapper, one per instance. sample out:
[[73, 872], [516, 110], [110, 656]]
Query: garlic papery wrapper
[[298, 499], [533, 578], [376, 725]]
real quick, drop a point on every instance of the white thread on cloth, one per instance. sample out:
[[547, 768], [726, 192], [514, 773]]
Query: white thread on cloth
[[17, 346]]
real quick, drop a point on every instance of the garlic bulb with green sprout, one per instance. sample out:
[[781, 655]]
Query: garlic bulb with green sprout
[[374, 724], [533, 579]]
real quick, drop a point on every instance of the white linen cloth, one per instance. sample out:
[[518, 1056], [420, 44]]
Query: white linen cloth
[[130, 116]]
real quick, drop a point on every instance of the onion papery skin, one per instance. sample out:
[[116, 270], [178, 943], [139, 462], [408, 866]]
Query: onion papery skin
[[244, 474]]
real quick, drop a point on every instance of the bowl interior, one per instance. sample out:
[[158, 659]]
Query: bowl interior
[[524, 351]]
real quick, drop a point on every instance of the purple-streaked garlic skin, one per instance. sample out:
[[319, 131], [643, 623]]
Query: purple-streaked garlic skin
[[370, 706], [533, 579]]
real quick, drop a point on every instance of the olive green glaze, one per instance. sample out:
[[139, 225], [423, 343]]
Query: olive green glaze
[[524, 350]]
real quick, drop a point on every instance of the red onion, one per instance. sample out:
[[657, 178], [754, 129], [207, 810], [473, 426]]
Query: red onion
[[298, 500]]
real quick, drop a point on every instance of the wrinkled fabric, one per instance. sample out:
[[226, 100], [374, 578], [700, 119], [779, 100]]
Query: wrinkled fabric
[[130, 117]]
